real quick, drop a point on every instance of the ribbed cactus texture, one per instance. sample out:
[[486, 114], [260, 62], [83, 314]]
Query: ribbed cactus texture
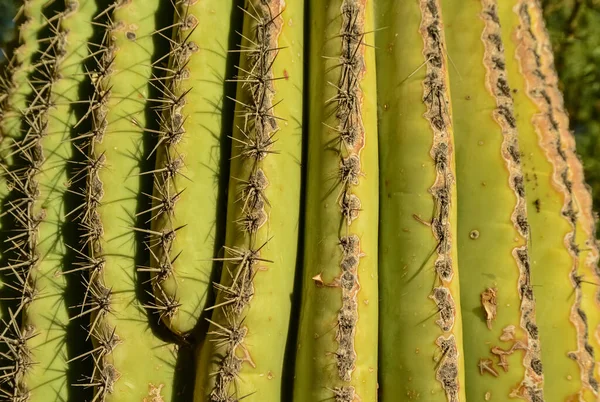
[[286, 200]]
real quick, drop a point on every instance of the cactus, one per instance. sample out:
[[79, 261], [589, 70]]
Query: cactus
[[213, 209]]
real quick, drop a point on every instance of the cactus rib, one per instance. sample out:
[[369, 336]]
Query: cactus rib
[[114, 148], [244, 358], [338, 323], [188, 162], [427, 136], [38, 179], [504, 358]]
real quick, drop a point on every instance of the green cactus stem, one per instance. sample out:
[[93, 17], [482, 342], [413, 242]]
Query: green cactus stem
[[131, 362], [418, 248], [189, 160], [502, 358], [337, 347]]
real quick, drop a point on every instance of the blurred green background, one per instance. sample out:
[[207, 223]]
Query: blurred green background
[[574, 27]]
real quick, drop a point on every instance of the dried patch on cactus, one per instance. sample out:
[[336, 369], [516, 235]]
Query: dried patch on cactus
[[551, 124], [154, 393], [437, 101], [447, 367], [496, 83], [490, 305]]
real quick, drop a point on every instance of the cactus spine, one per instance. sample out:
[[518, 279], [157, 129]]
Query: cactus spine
[[244, 357], [336, 358], [188, 162]]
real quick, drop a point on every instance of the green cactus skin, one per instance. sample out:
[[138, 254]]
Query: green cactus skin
[[188, 161], [502, 358], [243, 357], [563, 300], [337, 346], [131, 363], [465, 168], [417, 255]]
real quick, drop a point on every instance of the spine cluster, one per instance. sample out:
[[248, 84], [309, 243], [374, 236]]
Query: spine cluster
[[535, 60], [497, 85], [436, 98], [255, 142]]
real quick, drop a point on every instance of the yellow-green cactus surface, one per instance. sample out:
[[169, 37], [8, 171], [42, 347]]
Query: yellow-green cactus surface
[[292, 201]]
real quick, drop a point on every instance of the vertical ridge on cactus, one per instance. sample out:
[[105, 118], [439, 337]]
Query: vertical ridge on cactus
[[194, 206], [337, 354], [418, 262], [493, 230], [115, 149], [247, 337], [36, 330], [556, 258], [189, 160]]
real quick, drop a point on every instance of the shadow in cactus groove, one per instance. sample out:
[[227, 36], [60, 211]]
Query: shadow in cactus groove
[[289, 364]]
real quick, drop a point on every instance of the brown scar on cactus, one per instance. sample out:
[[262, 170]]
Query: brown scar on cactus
[[490, 304], [487, 366]]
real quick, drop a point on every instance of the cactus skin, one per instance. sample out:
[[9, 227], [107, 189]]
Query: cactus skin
[[337, 352], [417, 259], [190, 139], [566, 307], [492, 227], [244, 354], [131, 363]]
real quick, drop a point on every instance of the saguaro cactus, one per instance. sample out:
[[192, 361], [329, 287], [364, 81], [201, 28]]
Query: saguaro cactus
[[391, 211]]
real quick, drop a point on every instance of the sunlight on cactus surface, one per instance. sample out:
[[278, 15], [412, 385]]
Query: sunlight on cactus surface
[[277, 200]]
